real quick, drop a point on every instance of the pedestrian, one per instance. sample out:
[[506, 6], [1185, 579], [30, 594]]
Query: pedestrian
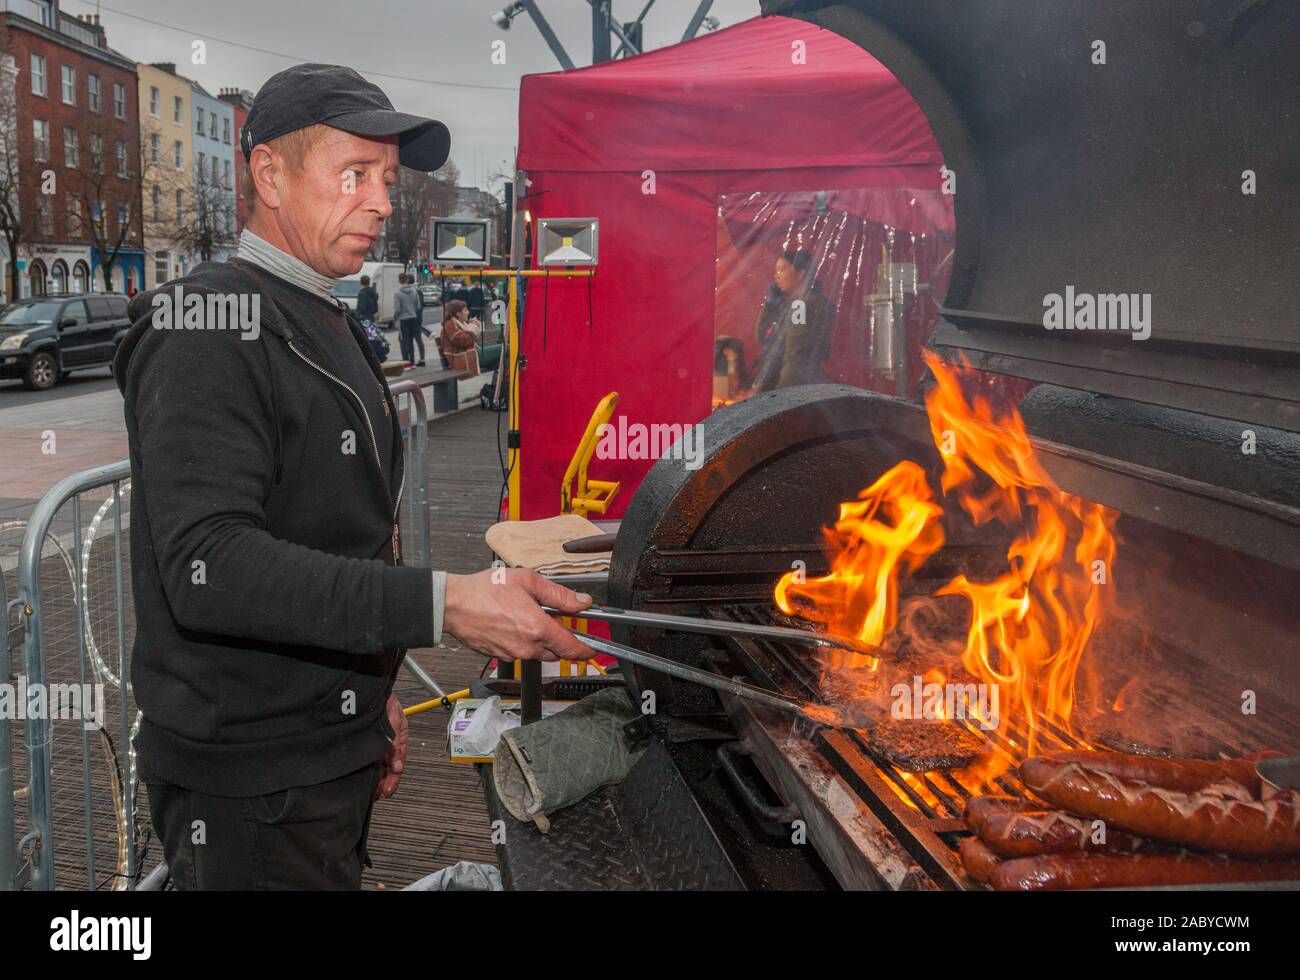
[[272, 606], [409, 309], [367, 301]]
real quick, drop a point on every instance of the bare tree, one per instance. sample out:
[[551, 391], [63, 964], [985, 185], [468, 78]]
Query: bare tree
[[160, 180], [108, 191], [17, 227], [209, 222], [417, 198]]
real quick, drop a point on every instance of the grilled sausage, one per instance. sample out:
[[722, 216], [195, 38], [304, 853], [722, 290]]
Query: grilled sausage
[[980, 808], [1183, 775], [1205, 820], [977, 859], [1012, 835], [1050, 872]]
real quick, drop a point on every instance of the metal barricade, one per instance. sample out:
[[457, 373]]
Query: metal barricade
[[74, 803]]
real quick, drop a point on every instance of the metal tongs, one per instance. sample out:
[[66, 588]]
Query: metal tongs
[[719, 627], [852, 717]]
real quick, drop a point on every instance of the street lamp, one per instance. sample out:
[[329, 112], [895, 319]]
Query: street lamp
[[502, 18]]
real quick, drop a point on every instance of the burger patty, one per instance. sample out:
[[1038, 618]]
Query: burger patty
[[917, 745]]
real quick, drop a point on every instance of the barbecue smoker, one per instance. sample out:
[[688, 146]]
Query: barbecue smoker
[[1122, 177]]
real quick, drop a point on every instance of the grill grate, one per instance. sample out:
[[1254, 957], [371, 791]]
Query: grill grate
[[923, 810]]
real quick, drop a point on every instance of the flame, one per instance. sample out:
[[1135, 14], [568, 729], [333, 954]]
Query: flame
[[892, 526], [1029, 627]]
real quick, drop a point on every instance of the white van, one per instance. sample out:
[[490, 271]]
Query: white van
[[383, 276]]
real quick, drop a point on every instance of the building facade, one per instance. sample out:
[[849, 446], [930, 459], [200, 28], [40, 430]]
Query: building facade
[[213, 214], [240, 101], [166, 127], [75, 174]]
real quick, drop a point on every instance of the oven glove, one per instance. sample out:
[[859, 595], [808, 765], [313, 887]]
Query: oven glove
[[559, 760]]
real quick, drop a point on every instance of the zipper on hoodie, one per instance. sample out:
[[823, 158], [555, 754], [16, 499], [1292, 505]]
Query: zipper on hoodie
[[397, 548]]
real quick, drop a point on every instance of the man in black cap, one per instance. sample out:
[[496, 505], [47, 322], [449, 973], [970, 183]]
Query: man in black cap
[[272, 607]]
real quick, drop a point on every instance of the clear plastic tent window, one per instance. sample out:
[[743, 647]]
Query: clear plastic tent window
[[839, 285]]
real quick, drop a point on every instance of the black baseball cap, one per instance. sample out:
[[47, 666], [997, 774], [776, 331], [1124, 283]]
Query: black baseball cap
[[333, 95]]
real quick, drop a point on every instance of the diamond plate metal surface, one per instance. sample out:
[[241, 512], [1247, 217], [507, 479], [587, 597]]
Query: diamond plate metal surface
[[645, 834]]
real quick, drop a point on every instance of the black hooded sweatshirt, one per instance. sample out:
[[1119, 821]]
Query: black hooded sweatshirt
[[272, 611]]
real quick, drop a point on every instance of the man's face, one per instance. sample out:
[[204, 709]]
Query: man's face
[[785, 276], [332, 211]]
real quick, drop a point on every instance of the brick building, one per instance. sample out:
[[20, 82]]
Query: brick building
[[77, 167]]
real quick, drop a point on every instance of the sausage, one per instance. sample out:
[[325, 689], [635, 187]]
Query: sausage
[[977, 859], [1050, 872], [980, 808], [1204, 820], [1183, 775], [1012, 835]]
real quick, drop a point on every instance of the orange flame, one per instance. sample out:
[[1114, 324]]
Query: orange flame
[[893, 525], [1030, 626]]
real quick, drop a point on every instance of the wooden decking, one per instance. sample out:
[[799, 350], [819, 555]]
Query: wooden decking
[[438, 817]]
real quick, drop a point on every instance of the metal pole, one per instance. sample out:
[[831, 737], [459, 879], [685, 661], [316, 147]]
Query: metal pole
[[601, 49], [548, 35], [697, 19], [8, 853]]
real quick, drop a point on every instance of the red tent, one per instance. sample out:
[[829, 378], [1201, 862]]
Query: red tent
[[703, 161]]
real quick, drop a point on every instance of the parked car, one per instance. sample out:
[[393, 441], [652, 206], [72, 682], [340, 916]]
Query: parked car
[[430, 294], [45, 338]]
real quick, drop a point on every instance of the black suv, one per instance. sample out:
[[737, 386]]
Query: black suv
[[45, 338]]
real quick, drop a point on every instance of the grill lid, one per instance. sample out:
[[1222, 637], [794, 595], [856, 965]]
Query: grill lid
[[1117, 178]]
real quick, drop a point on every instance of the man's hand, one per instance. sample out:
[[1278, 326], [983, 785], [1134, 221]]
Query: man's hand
[[391, 765], [501, 618]]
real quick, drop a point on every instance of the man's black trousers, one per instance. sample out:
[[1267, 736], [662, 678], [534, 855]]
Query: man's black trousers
[[306, 837], [411, 334]]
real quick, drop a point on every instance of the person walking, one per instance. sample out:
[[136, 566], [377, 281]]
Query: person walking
[[409, 310], [367, 301]]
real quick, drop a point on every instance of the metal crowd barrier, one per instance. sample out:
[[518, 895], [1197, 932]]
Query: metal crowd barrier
[[72, 803]]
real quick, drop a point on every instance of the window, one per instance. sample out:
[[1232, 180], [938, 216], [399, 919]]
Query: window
[[97, 152], [76, 310], [121, 159], [38, 74], [69, 85], [43, 217], [80, 277], [121, 220], [155, 148], [215, 178], [178, 107], [161, 267], [198, 120], [202, 157], [59, 277], [119, 100], [179, 153], [157, 203], [153, 100], [71, 158], [180, 210], [225, 172], [99, 308], [74, 215], [92, 82], [212, 133], [225, 130], [41, 135]]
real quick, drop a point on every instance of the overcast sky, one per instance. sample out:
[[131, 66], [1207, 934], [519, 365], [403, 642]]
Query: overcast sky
[[432, 57]]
